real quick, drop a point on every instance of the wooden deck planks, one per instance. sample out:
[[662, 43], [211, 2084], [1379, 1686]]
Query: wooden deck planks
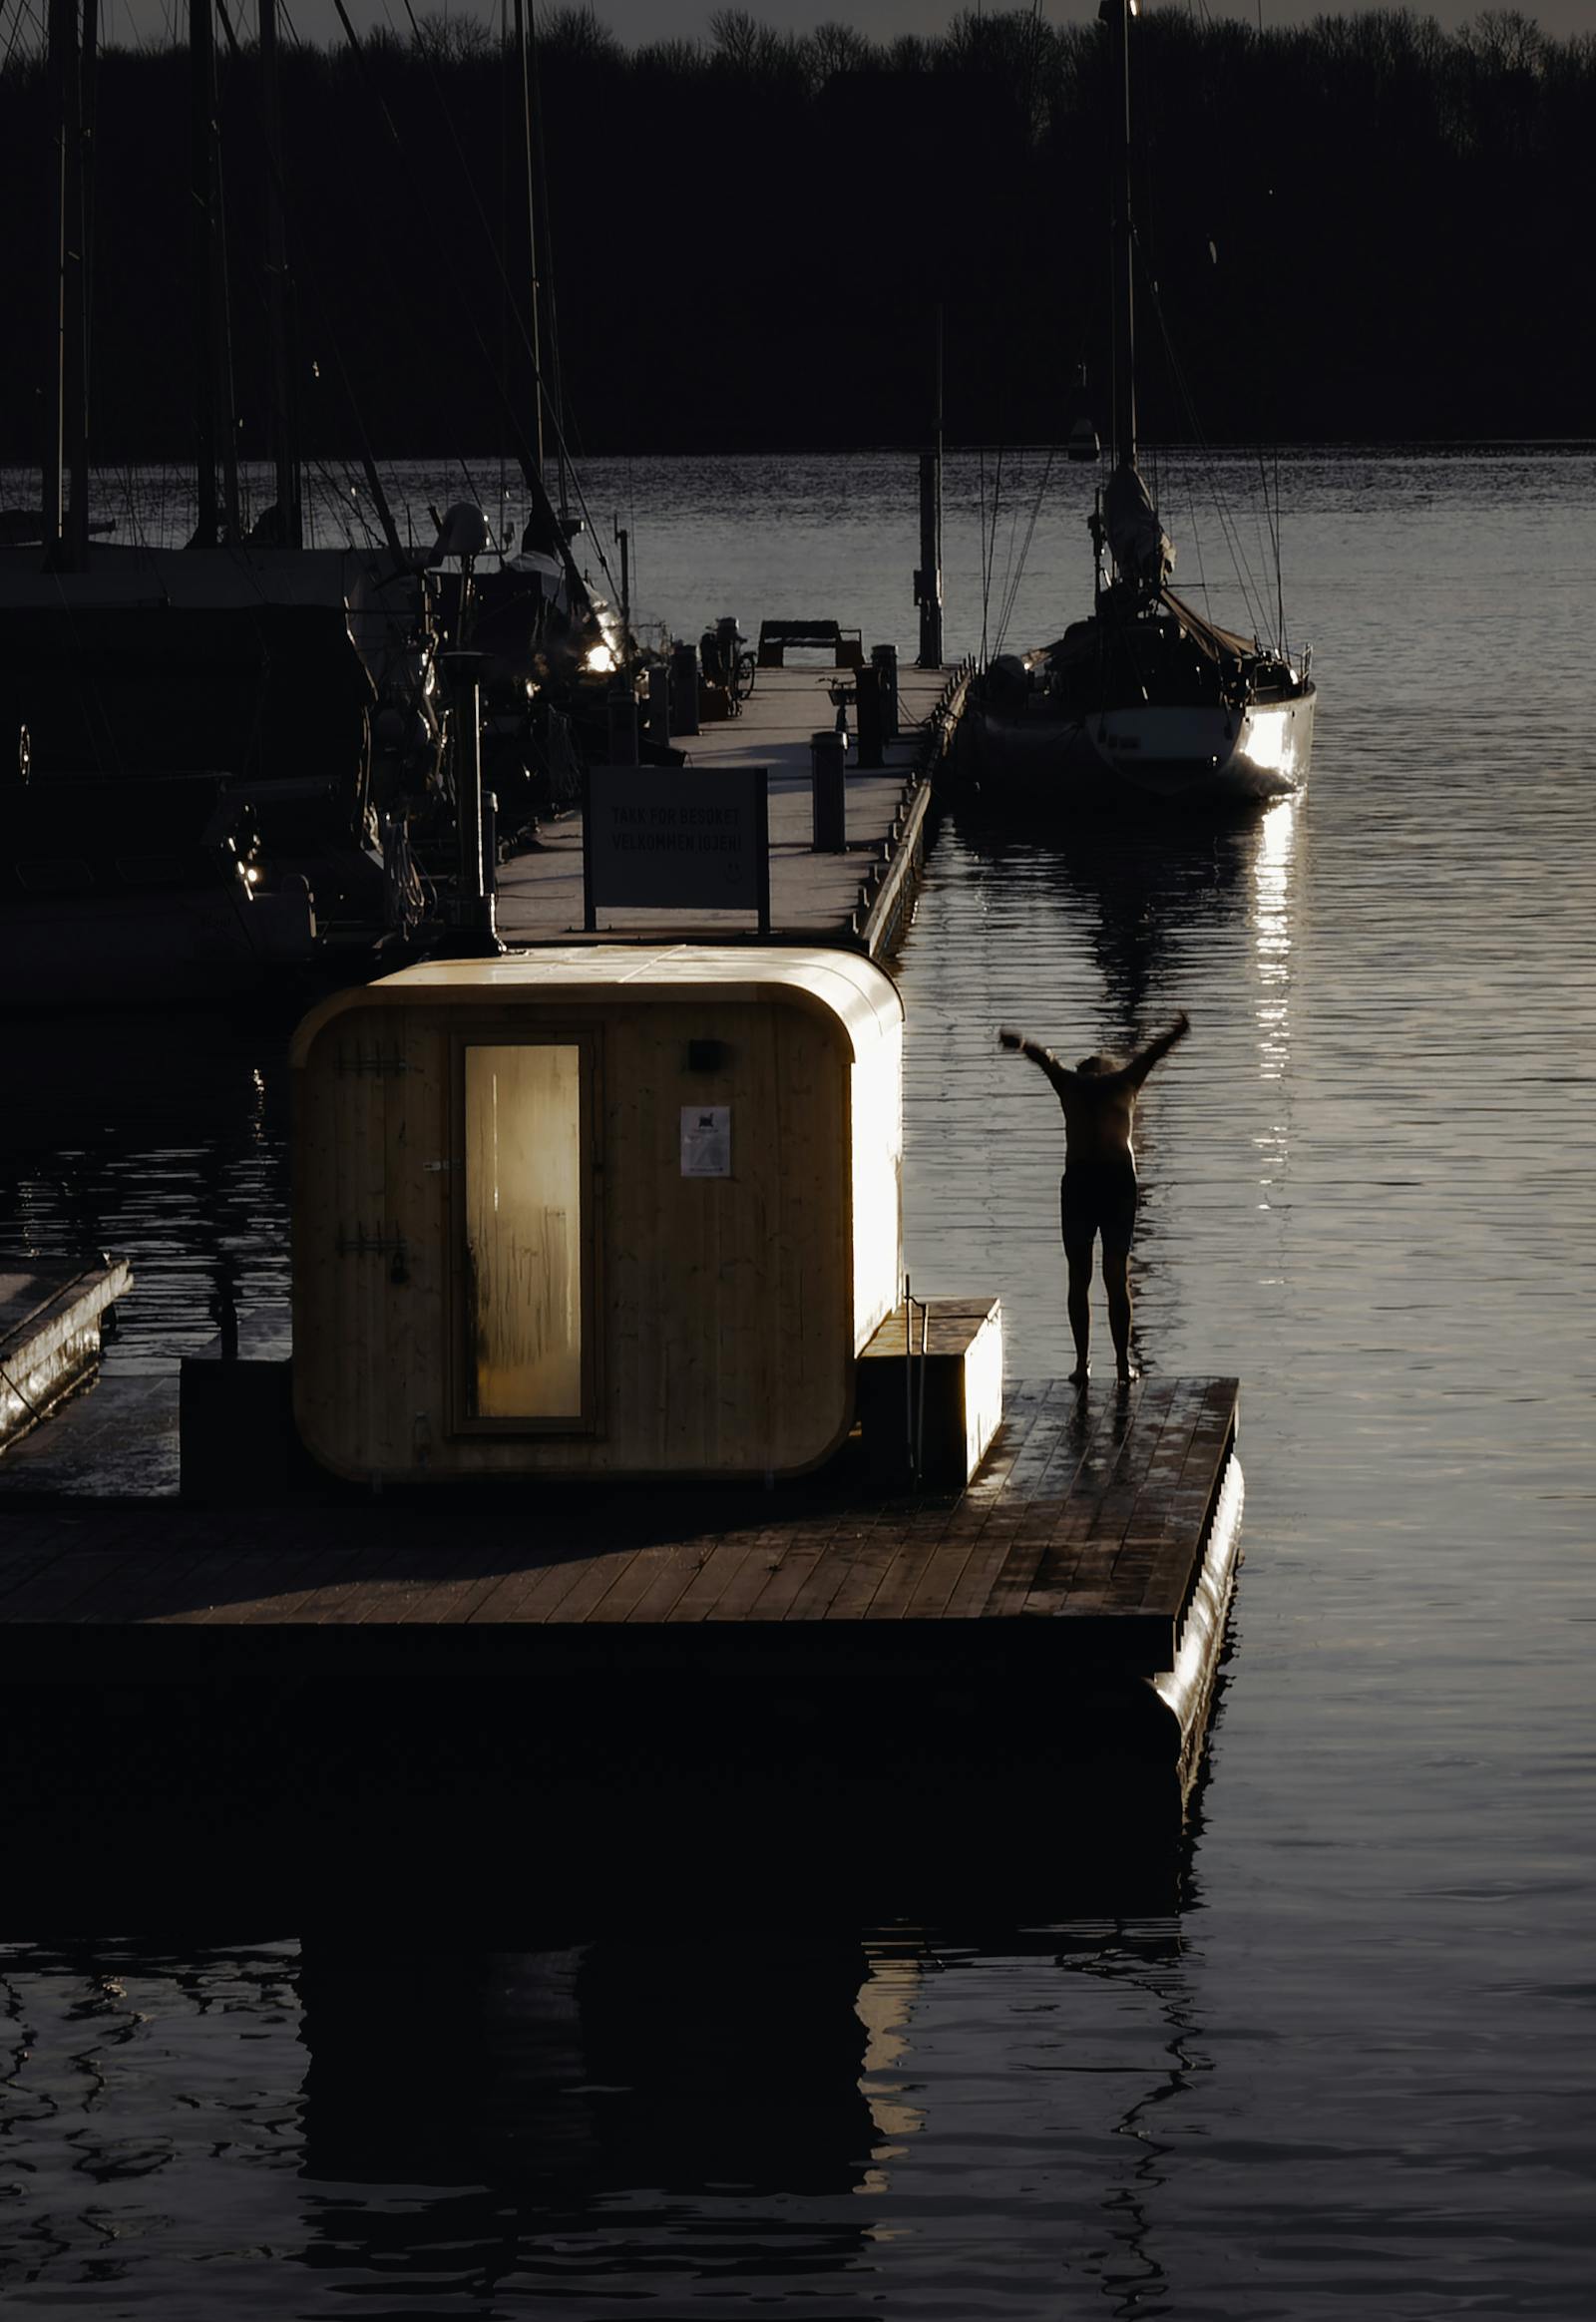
[[922, 1532], [718, 1571], [812, 895], [806, 1553], [1090, 1508], [1080, 1561], [1063, 1464]]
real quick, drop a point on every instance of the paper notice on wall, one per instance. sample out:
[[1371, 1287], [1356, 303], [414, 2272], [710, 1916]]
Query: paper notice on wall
[[706, 1140]]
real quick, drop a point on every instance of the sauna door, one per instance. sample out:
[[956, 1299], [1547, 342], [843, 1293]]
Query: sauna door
[[524, 1235]]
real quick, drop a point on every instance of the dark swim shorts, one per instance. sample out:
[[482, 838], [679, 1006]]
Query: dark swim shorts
[[1098, 1200]]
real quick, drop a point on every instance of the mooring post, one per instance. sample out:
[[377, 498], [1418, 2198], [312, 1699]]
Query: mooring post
[[683, 687], [884, 660], [867, 684], [828, 757], [659, 703]]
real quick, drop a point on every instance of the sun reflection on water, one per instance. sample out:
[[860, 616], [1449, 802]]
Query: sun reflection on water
[[1273, 866]]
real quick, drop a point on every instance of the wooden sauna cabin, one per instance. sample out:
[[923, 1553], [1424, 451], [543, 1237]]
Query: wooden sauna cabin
[[606, 1211]]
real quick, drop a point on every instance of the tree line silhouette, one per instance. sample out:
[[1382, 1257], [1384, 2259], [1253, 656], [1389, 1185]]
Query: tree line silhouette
[[1357, 230]]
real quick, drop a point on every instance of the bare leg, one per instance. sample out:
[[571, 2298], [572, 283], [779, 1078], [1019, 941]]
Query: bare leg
[[1116, 1281], [1080, 1305]]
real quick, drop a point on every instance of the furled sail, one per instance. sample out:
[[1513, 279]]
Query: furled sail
[[1219, 645], [1141, 549]]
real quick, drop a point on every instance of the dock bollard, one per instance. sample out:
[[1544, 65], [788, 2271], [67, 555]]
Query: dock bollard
[[868, 701], [684, 688], [828, 757], [884, 660]]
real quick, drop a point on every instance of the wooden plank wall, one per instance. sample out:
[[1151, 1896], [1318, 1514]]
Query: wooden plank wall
[[725, 1306]]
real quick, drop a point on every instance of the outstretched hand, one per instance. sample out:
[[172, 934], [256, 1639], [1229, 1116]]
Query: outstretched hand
[[1007, 1037]]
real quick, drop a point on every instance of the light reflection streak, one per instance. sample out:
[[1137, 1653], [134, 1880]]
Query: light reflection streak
[[1270, 927], [882, 2007]]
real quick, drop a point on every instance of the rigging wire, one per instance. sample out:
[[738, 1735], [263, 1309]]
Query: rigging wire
[[1011, 599], [1229, 529], [504, 233], [1252, 590], [989, 538], [1009, 565], [24, 13], [499, 260]]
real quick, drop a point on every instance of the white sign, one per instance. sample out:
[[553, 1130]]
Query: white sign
[[706, 1140]]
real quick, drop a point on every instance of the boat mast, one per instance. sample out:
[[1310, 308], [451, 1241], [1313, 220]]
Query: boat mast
[[1116, 14], [928, 577], [214, 421], [284, 449], [202, 80], [523, 59], [537, 155], [80, 175], [66, 452]]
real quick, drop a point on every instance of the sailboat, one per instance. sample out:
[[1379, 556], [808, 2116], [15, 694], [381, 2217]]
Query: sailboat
[[228, 753], [1147, 700], [200, 797]]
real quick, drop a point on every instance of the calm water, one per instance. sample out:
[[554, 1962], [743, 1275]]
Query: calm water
[[1353, 2071]]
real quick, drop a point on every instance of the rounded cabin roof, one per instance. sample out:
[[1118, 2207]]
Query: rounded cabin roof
[[845, 985]]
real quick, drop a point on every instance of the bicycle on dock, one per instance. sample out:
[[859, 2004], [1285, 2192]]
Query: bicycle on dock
[[729, 660]]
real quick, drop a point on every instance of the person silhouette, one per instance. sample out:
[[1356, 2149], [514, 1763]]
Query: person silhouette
[[1097, 1192]]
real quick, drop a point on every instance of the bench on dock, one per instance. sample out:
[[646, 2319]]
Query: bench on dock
[[777, 638]]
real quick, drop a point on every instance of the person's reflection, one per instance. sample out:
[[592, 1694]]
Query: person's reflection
[[1138, 1972], [440, 2068]]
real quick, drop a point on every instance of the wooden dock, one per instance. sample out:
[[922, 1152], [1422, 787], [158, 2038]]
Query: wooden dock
[[1080, 1540], [51, 1319], [855, 897], [595, 1698]]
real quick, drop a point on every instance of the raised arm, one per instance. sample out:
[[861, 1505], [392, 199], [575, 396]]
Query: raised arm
[[1157, 1050], [1059, 1074]]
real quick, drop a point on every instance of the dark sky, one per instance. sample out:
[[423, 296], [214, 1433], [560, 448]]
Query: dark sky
[[639, 20]]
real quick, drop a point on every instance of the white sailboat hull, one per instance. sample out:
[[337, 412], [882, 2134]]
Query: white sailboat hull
[[1196, 752], [1182, 756]]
